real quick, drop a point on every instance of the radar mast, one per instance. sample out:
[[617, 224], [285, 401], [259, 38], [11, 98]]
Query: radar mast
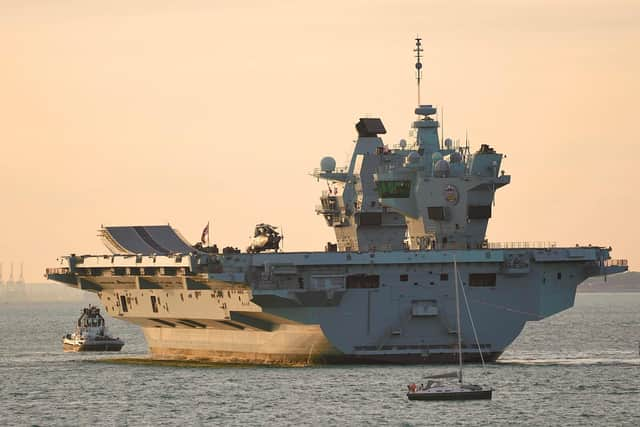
[[418, 50]]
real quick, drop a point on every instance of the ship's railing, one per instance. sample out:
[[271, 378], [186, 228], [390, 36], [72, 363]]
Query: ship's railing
[[322, 209], [342, 169], [327, 193], [57, 270], [521, 245], [616, 263]]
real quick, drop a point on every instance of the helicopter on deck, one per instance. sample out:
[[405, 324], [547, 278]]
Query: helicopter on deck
[[265, 237]]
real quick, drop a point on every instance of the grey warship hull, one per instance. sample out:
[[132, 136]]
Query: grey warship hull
[[318, 307]]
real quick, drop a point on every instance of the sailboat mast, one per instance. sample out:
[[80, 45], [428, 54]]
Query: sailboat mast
[[458, 333]]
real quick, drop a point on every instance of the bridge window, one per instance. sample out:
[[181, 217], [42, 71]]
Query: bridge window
[[482, 279], [123, 304], [154, 304], [444, 276], [393, 189]]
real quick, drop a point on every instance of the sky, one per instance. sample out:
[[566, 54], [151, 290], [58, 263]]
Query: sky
[[187, 112]]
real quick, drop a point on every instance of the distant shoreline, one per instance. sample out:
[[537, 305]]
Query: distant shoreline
[[624, 282]]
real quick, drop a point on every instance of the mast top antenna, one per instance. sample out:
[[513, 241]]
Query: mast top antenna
[[418, 50]]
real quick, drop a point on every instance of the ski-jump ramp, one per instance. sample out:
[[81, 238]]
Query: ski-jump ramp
[[144, 240]]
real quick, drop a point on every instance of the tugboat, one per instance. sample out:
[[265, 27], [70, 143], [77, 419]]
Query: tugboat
[[91, 334]]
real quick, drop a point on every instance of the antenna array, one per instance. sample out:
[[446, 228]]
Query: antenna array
[[418, 50]]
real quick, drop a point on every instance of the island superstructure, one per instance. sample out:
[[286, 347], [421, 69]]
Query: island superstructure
[[383, 292]]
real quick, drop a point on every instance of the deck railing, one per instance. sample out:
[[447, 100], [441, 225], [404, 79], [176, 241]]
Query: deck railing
[[616, 263], [521, 245], [57, 270]]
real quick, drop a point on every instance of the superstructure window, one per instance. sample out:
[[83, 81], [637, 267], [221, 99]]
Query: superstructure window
[[154, 304], [444, 277], [363, 281], [482, 279], [393, 189], [369, 218], [437, 213], [479, 212], [404, 277], [123, 304]]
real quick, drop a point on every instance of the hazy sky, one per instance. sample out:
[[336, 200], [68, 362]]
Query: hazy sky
[[185, 112]]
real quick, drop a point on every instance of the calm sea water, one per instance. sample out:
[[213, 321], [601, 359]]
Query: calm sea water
[[580, 367]]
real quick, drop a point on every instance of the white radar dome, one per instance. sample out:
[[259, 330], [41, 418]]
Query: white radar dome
[[328, 164]]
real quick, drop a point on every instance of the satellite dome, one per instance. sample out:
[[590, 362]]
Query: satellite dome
[[436, 156], [455, 157], [328, 164], [403, 143], [413, 157], [441, 169]]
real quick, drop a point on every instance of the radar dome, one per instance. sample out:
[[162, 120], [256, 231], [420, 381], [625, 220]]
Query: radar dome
[[441, 169], [328, 164], [403, 143], [455, 157], [436, 156], [413, 157]]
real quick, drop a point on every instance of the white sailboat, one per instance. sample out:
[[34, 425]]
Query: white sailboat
[[435, 389]]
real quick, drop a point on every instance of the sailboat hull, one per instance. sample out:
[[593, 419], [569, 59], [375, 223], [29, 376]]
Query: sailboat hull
[[453, 395]]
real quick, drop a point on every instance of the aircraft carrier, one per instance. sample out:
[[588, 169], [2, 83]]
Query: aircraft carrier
[[381, 293]]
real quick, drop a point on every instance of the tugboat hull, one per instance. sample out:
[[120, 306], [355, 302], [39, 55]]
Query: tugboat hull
[[92, 347]]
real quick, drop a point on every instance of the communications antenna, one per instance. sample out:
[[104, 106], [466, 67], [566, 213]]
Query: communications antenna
[[418, 50]]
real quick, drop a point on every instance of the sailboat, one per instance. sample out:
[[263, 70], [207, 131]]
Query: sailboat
[[435, 389]]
